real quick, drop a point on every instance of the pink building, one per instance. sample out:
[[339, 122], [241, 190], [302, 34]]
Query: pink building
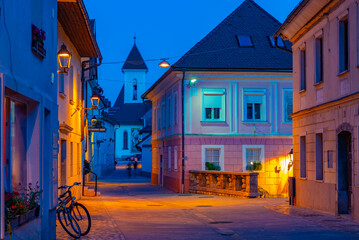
[[226, 105], [326, 112]]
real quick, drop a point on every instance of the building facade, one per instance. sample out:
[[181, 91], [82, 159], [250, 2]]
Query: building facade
[[236, 88], [29, 113], [129, 108], [326, 92], [70, 90]]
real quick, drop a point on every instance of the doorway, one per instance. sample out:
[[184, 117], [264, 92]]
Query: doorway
[[345, 167]]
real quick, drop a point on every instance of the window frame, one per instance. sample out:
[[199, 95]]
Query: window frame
[[125, 140], [303, 69], [346, 58], [303, 157], [263, 109], [319, 59], [319, 156], [244, 156], [134, 90], [284, 105], [221, 156], [169, 159], [175, 158], [175, 108], [222, 111]]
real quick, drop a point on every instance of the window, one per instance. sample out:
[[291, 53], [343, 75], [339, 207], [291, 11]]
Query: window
[[175, 161], [214, 105], [212, 157], [158, 118], [169, 112], [302, 70], [125, 140], [134, 89], [254, 105], [71, 159], [253, 157], [280, 42], [343, 45], [319, 156], [244, 41], [175, 109], [15, 144], [163, 114], [319, 60], [61, 83], [303, 158], [78, 158], [287, 105], [169, 158]]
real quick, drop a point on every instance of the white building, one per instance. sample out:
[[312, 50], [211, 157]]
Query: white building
[[129, 108]]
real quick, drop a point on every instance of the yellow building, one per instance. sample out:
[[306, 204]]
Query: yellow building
[[74, 31], [326, 110]]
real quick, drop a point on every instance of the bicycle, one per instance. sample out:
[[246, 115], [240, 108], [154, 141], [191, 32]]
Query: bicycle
[[73, 214]]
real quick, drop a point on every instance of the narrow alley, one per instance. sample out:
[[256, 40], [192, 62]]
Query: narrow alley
[[132, 208]]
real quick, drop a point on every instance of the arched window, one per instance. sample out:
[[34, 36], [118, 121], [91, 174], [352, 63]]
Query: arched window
[[134, 89], [125, 140]]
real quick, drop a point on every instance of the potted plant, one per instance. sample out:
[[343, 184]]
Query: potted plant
[[254, 166], [37, 43], [212, 166], [33, 194]]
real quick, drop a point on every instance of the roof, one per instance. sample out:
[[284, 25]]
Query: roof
[[74, 19], [220, 49], [128, 113], [135, 60], [302, 14]]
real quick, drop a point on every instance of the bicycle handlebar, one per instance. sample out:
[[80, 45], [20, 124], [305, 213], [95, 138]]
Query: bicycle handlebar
[[75, 184]]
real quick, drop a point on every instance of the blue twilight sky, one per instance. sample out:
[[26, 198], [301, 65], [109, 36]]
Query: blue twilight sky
[[163, 29]]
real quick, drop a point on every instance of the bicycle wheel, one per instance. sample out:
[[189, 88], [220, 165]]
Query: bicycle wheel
[[82, 216], [69, 224]]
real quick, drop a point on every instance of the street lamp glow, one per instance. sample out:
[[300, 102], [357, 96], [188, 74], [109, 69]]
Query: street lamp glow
[[193, 81], [95, 100], [164, 64]]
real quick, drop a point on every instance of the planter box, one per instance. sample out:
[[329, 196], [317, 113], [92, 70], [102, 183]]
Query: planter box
[[14, 222], [30, 215]]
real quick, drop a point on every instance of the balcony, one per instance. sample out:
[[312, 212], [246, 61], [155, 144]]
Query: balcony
[[231, 184]]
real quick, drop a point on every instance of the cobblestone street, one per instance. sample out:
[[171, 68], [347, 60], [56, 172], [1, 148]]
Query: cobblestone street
[[134, 209]]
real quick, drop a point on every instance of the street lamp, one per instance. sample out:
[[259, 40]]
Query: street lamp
[[64, 59], [93, 121], [95, 100], [192, 82], [164, 63]]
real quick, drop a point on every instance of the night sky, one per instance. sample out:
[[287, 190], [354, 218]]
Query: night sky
[[163, 29]]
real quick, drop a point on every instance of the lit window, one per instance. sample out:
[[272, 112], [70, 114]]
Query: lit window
[[254, 105], [287, 105], [244, 41], [280, 42], [343, 45], [214, 105], [253, 157]]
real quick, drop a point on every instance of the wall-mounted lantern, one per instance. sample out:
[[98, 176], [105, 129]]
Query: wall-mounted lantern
[[93, 121], [192, 82], [95, 100], [64, 59]]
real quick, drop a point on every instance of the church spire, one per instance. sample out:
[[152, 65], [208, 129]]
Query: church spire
[[134, 59]]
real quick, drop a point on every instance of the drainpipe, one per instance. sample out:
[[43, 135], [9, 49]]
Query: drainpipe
[[2, 165], [183, 129]]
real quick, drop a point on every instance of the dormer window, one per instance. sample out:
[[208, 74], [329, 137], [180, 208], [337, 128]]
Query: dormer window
[[244, 41], [280, 42]]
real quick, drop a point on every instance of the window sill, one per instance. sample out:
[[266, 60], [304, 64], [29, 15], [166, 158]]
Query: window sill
[[303, 91], [301, 178], [62, 95], [319, 181], [344, 73], [318, 84], [213, 122], [254, 122]]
